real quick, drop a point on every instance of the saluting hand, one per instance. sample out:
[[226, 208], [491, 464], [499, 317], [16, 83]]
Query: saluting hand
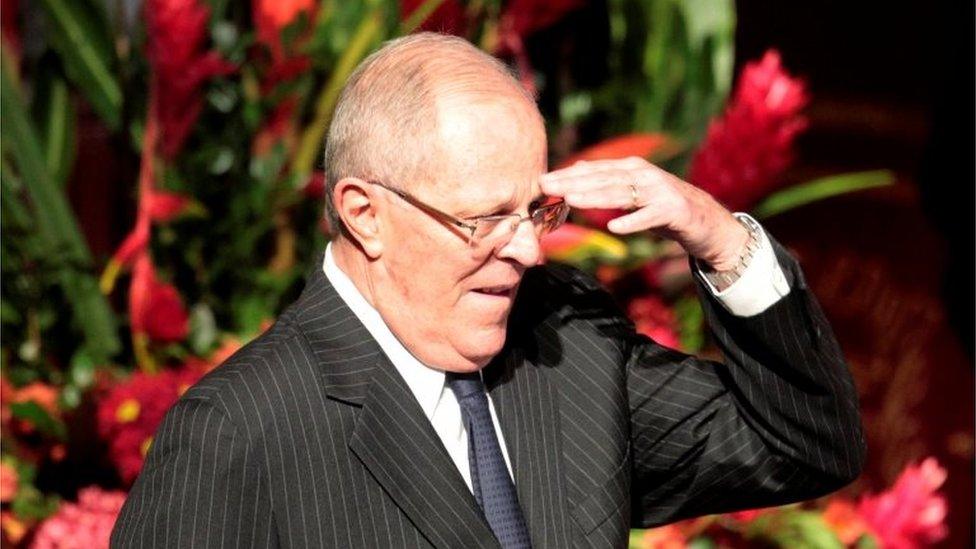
[[660, 202]]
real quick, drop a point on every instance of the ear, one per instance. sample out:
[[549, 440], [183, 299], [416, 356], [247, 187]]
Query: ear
[[355, 203]]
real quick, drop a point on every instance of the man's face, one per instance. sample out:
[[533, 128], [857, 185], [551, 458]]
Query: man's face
[[449, 300]]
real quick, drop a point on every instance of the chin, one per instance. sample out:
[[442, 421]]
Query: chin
[[482, 345]]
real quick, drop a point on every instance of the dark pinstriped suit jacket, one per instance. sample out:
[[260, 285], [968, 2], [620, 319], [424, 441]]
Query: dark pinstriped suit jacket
[[309, 437]]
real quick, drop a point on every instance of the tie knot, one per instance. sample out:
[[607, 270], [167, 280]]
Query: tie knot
[[465, 385]]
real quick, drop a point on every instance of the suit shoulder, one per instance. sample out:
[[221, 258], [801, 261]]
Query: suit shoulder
[[244, 384]]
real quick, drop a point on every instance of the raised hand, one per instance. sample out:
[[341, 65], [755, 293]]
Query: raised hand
[[658, 200]]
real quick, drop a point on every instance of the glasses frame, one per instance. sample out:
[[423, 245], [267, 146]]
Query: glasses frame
[[469, 225]]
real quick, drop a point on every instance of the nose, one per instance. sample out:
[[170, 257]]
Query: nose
[[524, 246]]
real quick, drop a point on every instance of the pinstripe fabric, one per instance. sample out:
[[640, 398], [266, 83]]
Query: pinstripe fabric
[[308, 437]]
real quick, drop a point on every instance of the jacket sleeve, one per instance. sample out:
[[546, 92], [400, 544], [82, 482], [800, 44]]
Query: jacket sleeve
[[201, 485], [776, 422]]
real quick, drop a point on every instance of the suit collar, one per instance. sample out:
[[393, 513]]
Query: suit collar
[[397, 444]]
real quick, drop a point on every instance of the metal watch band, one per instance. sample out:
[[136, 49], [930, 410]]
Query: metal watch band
[[723, 279]]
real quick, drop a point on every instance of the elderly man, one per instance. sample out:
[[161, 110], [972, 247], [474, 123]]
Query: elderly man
[[434, 385]]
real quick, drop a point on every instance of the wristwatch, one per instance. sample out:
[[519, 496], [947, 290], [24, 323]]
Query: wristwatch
[[723, 279]]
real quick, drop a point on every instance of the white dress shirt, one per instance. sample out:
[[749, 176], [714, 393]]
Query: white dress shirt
[[761, 285], [427, 384]]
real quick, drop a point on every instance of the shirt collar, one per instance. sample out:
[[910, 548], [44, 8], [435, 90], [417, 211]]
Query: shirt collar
[[424, 382]]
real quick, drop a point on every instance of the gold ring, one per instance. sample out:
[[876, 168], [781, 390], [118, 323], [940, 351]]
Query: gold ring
[[634, 203]]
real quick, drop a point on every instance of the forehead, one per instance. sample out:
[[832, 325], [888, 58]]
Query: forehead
[[491, 149]]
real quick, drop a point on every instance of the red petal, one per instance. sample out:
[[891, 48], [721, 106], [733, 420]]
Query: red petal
[[164, 206]]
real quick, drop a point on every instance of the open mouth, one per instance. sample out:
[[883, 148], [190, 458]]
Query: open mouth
[[497, 291]]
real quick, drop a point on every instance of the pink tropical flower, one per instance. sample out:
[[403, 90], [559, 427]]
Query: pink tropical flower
[[655, 319], [911, 514], [86, 524], [751, 145]]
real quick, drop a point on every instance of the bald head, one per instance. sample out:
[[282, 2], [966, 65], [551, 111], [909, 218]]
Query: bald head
[[390, 112]]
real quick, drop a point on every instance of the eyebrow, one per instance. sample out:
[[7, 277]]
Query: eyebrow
[[504, 206]]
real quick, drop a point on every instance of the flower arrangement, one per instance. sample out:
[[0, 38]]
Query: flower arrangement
[[223, 108], [908, 515]]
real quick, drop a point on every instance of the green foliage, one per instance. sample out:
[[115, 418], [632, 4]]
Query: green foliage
[[674, 61], [80, 35], [58, 244], [819, 189]]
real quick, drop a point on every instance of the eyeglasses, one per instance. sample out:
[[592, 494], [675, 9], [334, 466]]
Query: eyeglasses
[[492, 230]]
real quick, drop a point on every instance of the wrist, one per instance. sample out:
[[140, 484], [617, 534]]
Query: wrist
[[725, 272], [728, 256]]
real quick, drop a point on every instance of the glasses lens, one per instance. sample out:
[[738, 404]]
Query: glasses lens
[[547, 218], [491, 230]]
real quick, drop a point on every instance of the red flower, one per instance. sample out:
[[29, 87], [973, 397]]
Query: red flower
[[155, 308], [654, 319], [447, 18], [751, 145], [9, 482], [10, 26], [164, 206], [82, 525], [315, 187], [129, 414], [842, 518], [911, 514], [271, 16], [177, 31], [664, 537]]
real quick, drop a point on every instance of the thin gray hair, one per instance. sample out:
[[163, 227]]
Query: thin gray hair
[[386, 115]]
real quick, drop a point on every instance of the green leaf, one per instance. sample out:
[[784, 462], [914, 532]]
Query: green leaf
[[37, 416], [419, 15], [311, 141], [691, 322], [55, 222], [57, 124], [701, 543], [819, 189], [80, 36]]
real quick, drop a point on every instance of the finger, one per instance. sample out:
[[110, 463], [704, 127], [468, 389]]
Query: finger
[[589, 167], [582, 166], [608, 197], [585, 182], [648, 217]]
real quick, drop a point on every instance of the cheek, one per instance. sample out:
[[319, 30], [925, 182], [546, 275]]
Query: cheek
[[428, 272]]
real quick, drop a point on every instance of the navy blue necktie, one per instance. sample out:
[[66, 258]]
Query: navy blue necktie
[[493, 487]]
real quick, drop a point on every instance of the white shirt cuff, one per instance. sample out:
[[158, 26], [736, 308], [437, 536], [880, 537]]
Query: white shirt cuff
[[760, 286]]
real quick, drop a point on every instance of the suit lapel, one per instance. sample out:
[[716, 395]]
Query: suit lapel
[[392, 437], [528, 409]]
